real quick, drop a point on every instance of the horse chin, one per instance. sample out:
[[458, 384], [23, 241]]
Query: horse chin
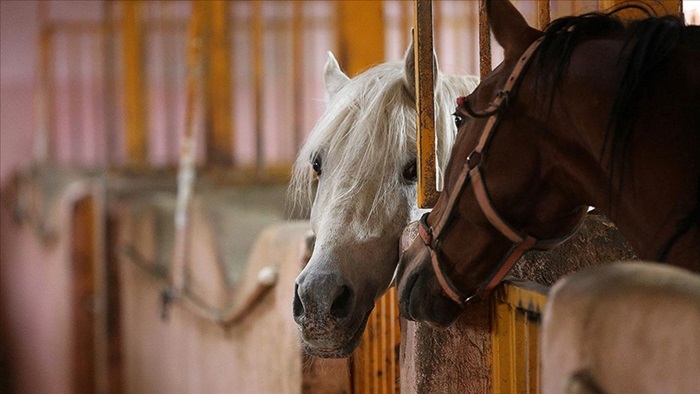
[[422, 300], [342, 344]]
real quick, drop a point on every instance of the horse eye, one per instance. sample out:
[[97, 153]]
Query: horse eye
[[317, 164], [458, 120], [410, 172]]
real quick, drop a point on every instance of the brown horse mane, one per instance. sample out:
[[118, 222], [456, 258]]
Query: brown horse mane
[[647, 42], [646, 45]]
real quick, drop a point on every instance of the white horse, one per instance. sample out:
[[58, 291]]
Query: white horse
[[357, 170]]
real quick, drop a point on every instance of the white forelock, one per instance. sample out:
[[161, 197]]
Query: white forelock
[[369, 132]]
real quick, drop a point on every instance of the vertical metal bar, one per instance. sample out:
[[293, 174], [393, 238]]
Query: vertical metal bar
[[425, 105], [533, 356], [543, 13], [258, 83], [110, 89], [74, 79], [136, 142], [520, 365], [297, 71], [44, 92], [218, 100], [484, 41], [501, 334]]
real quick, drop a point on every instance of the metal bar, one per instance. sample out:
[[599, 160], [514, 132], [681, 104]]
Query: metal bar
[[501, 334], [44, 93], [218, 100], [109, 77], [135, 110], [425, 104], [514, 313], [533, 355], [484, 41], [74, 85], [258, 82], [543, 13], [519, 344], [297, 72]]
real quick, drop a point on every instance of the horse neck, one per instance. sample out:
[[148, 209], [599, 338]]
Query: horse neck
[[661, 174]]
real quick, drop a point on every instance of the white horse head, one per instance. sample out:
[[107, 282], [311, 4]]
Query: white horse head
[[357, 169]]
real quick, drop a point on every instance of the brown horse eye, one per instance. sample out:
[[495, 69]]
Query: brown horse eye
[[317, 165], [458, 120], [410, 172]]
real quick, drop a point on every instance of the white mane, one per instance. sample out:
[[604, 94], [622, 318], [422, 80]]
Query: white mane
[[369, 131]]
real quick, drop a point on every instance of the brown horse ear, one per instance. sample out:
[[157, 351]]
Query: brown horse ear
[[410, 70], [509, 27]]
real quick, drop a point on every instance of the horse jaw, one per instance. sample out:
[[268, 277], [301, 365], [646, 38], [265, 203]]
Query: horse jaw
[[333, 77]]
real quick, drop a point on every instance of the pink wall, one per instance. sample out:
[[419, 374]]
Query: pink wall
[[34, 280]]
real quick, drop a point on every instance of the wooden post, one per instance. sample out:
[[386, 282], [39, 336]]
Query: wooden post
[[135, 116]]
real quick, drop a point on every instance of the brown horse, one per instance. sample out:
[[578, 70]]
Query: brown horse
[[591, 112]]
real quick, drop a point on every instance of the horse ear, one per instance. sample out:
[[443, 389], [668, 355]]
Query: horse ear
[[410, 70], [333, 77], [509, 27]]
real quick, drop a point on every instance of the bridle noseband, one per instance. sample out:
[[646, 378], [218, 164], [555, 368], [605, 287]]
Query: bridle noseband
[[471, 172]]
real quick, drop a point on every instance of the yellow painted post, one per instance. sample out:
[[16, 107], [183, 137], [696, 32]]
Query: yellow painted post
[[135, 116], [484, 41], [219, 131], [501, 337], [425, 104], [515, 308], [543, 13]]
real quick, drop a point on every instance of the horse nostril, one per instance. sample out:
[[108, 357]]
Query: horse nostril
[[342, 305], [298, 306]]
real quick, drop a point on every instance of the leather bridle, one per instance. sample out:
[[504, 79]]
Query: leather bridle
[[471, 173]]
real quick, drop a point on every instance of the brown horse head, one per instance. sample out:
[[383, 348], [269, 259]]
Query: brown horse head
[[569, 120]]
